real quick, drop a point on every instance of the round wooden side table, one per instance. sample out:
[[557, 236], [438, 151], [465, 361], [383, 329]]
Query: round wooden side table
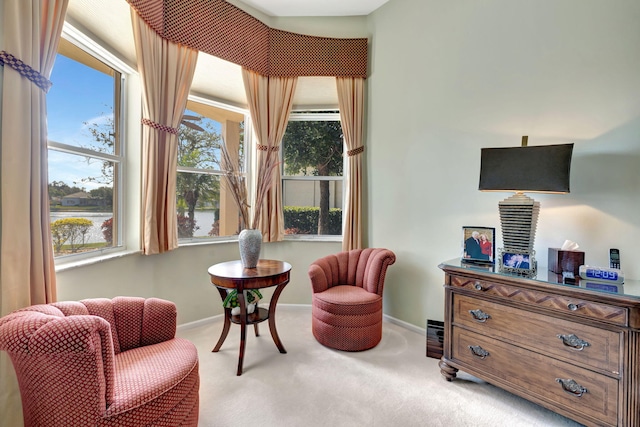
[[232, 275]]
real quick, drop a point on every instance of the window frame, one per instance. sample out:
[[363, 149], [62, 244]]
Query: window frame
[[248, 160], [123, 73], [314, 116]]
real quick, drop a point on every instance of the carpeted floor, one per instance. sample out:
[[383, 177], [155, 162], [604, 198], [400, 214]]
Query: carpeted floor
[[393, 384]]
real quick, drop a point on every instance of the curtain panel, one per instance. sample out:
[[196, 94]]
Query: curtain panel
[[270, 100], [351, 102], [30, 33], [166, 70]]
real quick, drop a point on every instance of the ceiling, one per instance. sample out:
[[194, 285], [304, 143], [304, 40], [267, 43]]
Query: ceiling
[[315, 7], [215, 78]]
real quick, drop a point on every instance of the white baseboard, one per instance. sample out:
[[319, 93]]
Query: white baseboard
[[196, 323], [406, 325]]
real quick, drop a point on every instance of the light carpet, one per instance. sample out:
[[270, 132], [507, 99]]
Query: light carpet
[[393, 384]]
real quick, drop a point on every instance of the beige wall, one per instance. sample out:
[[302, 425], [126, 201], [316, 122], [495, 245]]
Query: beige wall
[[448, 78], [181, 276]]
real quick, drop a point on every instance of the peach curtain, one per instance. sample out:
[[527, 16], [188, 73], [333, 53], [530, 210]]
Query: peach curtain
[[351, 102], [270, 100], [30, 33], [166, 71]]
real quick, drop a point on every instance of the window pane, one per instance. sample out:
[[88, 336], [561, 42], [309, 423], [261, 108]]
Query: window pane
[[201, 212], [312, 207], [199, 140], [82, 124], [81, 106], [81, 208], [205, 207], [313, 148]]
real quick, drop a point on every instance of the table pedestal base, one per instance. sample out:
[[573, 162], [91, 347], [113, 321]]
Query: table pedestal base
[[258, 316]]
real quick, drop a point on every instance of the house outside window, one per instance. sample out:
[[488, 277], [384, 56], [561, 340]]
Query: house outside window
[[85, 153], [312, 174], [205, 207]]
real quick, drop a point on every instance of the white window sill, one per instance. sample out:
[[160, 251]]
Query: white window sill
[[287, 237], [201, 242], [68, 264], [312, 238]]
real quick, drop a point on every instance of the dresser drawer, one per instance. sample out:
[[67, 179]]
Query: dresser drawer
[[560, 303], [577, 343], [534, 375]]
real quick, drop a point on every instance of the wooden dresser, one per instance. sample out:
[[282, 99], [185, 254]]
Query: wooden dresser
[[573, 350]]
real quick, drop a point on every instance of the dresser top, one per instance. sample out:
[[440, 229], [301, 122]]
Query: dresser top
[[630, 288]]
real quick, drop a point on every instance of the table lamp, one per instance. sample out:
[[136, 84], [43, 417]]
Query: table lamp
[[541, 169]]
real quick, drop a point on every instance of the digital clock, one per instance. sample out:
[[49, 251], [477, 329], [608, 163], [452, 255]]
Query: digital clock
[[601, 274]]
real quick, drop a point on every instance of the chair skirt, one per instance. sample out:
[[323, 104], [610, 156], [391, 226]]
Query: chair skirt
[[347, 318]]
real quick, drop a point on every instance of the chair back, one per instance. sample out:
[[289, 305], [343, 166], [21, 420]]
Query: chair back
[[365, 268]]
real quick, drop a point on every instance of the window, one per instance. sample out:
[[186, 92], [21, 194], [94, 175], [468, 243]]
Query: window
[[84, 153], [205, 209], [312, 165]]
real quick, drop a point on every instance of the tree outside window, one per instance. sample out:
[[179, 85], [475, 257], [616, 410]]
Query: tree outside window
[[312, 152]]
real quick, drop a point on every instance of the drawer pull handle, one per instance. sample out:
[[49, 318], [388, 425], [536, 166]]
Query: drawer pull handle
[[478, 351], [573, 341], [572, 387], [573, 307], [480, 315], [478, 286]]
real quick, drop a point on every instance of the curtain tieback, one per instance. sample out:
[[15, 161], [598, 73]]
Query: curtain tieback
[[25, 70], [158, 126], [355, 151], [269, 148]]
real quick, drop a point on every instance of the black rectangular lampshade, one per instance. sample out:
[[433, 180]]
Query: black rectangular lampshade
[[544, 168]]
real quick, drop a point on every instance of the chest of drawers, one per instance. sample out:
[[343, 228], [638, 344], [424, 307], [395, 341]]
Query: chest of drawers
[[572, 350]]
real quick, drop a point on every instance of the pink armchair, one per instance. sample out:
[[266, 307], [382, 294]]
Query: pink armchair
[[102, 362], [347, 298]]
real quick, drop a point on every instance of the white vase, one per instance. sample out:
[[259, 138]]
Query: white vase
[[249, 241]]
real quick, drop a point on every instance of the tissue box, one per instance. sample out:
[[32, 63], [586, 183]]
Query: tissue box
[[561, 261]]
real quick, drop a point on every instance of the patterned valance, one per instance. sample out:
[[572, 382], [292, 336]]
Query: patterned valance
[[221, 29]]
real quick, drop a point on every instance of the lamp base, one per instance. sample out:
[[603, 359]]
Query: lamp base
[[519, 219]]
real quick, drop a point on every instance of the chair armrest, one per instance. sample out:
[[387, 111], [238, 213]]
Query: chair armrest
[[319, 281], [80, 346], [73, 334]]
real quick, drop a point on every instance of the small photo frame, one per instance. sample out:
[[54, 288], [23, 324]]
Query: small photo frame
[[478, 244], [521, 262]]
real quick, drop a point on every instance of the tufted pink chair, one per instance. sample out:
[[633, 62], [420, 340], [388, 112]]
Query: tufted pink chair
[[347, 298], [102, 362]]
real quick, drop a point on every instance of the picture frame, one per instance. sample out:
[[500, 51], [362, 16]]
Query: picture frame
[[520, 262], [478, 244]]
